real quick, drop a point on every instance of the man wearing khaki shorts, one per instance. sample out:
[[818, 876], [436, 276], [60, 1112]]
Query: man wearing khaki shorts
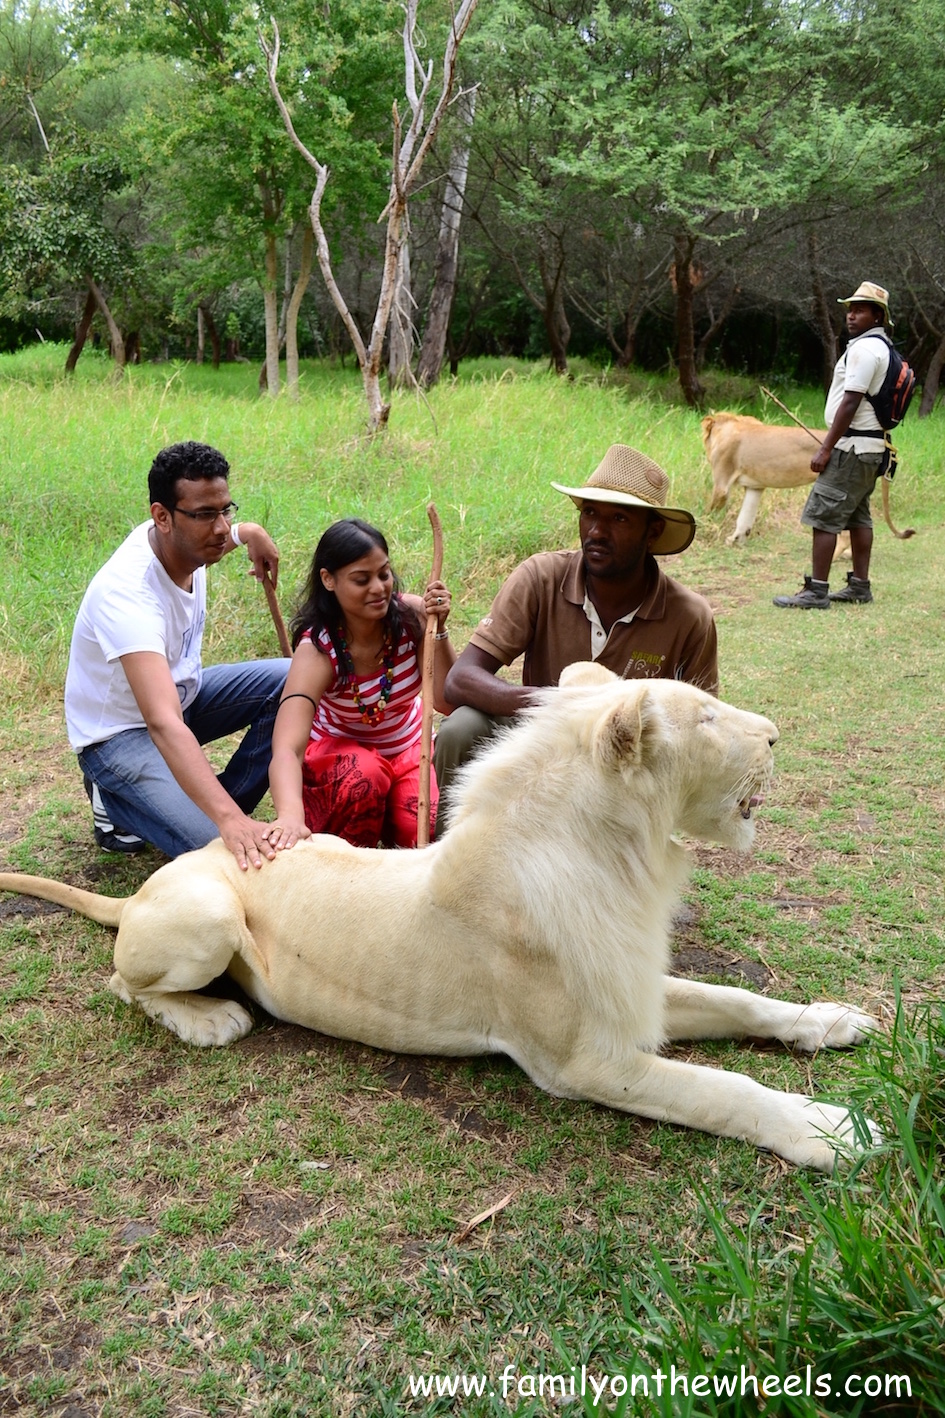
[[850, 458]]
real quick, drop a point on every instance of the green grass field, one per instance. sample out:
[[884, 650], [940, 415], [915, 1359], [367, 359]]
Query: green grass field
[[279, 1228]]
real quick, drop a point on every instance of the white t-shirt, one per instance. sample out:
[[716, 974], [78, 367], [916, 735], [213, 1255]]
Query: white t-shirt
[[131, 604], [861, 369]]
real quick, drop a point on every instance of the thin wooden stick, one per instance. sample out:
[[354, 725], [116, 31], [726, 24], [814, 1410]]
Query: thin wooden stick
[[426, 691], [466, 1231], [768, 395], [284, 643]]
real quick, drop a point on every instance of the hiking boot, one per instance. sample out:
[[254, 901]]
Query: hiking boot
[[814, 597], [107, 835], [855, 591]]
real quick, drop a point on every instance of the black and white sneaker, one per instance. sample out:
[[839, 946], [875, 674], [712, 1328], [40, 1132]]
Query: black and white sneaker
[[107, 835]]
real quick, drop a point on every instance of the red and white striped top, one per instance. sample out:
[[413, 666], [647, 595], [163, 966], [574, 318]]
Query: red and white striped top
[[337, 715]]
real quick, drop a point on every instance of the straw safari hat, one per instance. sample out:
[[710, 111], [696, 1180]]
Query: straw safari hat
[[874, 294], [630, 479]]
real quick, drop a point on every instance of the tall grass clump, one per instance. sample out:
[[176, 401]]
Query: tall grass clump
[[858, 1294]]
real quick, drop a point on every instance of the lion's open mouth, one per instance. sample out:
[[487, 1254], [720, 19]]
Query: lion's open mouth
[[746, 804]]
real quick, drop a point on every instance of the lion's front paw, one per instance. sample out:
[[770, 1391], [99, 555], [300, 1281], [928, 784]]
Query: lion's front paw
[[820, 1134], [830, 1026]]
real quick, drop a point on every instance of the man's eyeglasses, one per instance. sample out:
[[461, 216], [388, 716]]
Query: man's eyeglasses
[[208, 514]]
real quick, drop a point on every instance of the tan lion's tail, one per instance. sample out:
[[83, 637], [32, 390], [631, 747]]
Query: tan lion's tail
[[104, 909]]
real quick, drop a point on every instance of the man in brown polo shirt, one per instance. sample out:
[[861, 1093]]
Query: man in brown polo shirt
[[609, 602]]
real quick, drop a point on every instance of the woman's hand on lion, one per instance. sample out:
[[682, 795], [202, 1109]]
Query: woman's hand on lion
[[285, 832]]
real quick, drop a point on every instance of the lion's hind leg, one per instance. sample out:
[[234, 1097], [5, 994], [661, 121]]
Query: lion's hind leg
[[746, 517], [175, 937]]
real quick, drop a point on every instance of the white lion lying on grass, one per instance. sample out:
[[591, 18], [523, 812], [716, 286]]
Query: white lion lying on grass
[[538, 927]]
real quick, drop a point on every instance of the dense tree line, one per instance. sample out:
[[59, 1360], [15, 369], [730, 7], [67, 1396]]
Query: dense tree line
[[660, 182]]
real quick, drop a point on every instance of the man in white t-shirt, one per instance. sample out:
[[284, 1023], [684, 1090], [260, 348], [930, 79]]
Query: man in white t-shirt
[[139, 703], [850, 458]]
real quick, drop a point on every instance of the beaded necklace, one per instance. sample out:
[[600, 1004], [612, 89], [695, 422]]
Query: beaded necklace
[[371, 716]]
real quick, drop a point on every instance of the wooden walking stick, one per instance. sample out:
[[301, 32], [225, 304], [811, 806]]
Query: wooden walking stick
[[426, 691], [270, 590], [768, 395]]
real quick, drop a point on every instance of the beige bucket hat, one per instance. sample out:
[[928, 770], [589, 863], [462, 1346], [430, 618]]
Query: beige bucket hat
[[630, 479], [876, 295]]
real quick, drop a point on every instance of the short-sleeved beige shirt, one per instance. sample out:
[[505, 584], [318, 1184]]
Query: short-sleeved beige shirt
[[539, 612]]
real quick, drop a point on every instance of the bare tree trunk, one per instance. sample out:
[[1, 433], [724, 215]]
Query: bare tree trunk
[[549, 299], [557, 329], [402, 329], [292, 313], [932, 380], [822, 320], [211, 329], [716, 324], [684, 246], [201, 336], [410, 148], [271, 307], [458, 346], [118, 344], [626, 350], [446, 264], [551, 266], [81, 334], [283, 312]]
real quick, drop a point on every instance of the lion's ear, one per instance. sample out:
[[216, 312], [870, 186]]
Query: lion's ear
[[585, 672], [620, 736]]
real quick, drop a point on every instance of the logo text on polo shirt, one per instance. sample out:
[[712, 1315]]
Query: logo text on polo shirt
[[645, 662]]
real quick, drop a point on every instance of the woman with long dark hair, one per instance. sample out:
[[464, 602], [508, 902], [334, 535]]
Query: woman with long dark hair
[[346, 744]]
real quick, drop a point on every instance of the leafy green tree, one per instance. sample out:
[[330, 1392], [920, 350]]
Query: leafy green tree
[[74, 212], [34, 68], [216, 146], [524, 199], [705, 114], [678, 134], [52, 232], [210, 135]]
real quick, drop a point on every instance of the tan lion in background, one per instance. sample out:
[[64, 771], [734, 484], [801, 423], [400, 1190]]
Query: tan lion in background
[[744, 452], [538, 927]]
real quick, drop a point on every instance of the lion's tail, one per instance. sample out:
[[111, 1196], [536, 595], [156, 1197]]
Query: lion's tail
[[908, 531], [104, 909]]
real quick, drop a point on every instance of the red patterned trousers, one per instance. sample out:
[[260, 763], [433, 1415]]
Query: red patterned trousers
[[351, 791]]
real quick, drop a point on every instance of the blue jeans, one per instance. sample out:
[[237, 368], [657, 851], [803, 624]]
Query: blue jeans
[[141, 794]]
